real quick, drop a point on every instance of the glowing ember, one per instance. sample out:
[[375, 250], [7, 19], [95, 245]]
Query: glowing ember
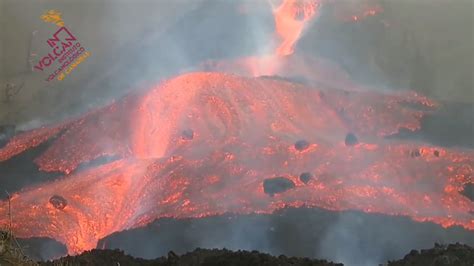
[[205, 143]]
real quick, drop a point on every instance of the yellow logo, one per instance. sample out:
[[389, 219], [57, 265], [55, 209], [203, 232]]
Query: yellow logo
[[54, 17]]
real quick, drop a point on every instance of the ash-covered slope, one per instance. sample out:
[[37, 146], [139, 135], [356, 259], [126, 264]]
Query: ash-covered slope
[[209, 143]]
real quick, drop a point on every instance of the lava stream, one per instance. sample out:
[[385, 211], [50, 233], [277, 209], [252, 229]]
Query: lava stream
[[208, 143]]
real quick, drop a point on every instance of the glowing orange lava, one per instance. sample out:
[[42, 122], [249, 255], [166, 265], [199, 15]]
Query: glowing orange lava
[[290, 19], [203, 143]]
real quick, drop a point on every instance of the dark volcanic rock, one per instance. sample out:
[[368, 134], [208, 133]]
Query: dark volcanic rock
[[301, 145], [351, 139], [468, 191], [187, 134], [58, 202], [101, 257], [226, 257], [368, 239], [277, 185], [450, 126], [453, 254], [199, 257], [21, 171], [305, 177], [415, 153], [42, 248], [450, 255]]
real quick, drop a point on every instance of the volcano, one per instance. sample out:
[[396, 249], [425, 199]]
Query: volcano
[[207, 143]]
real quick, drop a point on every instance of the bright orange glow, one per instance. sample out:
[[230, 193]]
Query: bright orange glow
[[290, 19], [244, 130]]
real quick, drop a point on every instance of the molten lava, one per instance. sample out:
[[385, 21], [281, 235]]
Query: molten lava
[[209, 143], [290, 19]]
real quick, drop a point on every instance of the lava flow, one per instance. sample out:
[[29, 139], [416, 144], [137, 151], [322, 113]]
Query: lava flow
[[209, 143]]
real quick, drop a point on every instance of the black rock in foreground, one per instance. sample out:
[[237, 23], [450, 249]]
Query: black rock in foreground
[[201, 257], [453, 254], [272, 186], [450, 255]]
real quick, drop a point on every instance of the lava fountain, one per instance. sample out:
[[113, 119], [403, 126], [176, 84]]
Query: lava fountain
[[206, 144], [291, 17]]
